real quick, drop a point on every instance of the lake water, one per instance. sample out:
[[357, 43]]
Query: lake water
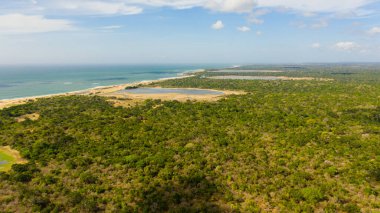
[[167, 90], [25, 81]]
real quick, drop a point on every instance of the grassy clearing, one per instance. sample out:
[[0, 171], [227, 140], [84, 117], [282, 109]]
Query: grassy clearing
[[8, 157]]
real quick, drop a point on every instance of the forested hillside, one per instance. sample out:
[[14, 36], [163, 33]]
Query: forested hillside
[[285, 146]]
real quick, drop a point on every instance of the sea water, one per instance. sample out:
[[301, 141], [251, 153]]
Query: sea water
[[25, 81]]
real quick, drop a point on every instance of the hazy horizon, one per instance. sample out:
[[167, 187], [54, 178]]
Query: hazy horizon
[[232, 64]]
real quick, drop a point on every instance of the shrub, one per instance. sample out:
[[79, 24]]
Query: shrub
[[23, 177], [75, 198], [20, 167], [88, 178], [312, 194], [352, 208]]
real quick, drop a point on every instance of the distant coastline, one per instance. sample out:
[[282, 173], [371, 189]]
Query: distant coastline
[[4, 103], [27, 81]]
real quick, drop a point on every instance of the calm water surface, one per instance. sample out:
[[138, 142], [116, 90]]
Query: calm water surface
[[24, 81]]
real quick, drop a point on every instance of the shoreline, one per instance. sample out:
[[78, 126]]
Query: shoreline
[[5, 103]]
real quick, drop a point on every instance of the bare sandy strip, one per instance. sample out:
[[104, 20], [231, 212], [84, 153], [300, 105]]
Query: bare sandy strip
[[33, 117], [174, 96], [170, 96]]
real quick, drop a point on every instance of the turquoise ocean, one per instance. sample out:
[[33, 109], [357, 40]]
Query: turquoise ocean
[[26, 81]]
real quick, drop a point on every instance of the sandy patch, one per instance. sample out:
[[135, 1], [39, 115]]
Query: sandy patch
[[13, 102], [33, 117], [123, 102], [174, 96], [132, 99]]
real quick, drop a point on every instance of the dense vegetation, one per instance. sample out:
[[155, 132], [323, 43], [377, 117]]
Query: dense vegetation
[[287, 146]]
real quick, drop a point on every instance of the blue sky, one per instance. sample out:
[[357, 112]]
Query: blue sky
[[188, 31]]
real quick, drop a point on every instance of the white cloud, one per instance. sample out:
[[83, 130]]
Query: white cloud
[[260, 12], [178, 4], [259, 33], [307, 7], [254, 16], [130, 7], [316, 45], [218, 25], [244, 29], [320, 24], [316, 6], [299, 24], [312, 25], [362, 13], [374, 31], [111, 27], [308, 14], [255, 20], [236, 6], [98, 7], [19, 23], [346, 45]]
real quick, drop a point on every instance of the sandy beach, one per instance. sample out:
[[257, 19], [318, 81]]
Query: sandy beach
[[102, 90]]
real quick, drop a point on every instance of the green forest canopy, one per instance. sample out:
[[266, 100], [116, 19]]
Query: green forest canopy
[[284, 146]]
